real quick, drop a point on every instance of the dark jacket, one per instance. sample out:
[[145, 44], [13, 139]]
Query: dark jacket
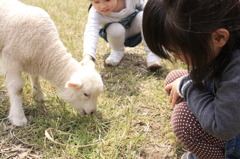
[[217, 108]]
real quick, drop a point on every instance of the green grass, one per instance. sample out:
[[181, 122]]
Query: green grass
[[133, 117]]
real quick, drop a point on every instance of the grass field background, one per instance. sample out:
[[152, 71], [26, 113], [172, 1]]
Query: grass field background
[[133, 116]]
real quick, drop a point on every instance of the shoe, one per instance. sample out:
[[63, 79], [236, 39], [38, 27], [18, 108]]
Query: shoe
[[114, 58], [188, 155], [153, 62]]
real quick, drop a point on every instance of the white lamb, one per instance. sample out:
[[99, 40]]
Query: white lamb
[[29, 42]]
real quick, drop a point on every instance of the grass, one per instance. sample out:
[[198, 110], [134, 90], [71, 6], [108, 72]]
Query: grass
[[133, 117]]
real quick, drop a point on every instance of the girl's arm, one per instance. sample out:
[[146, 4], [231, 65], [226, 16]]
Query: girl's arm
[[91, 35], [175, 95], [218, 115]]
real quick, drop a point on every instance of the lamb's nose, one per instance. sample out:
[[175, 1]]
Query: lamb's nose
[[93, 111], [90, 111]]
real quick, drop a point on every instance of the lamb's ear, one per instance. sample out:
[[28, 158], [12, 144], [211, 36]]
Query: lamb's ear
[[73, 84]]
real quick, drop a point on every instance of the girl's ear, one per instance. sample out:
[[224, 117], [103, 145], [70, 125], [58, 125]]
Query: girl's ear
[[220, 37]]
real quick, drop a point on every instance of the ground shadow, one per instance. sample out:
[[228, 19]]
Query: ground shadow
[[133, 65]]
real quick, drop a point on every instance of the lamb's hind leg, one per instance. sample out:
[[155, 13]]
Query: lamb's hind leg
[[36, 88], [14, 82]]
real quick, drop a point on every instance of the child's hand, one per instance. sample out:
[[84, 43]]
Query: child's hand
[[174, 97], [86, 60]]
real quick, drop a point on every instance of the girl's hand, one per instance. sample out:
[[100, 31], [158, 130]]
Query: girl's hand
[[85, 60], [174, 97]]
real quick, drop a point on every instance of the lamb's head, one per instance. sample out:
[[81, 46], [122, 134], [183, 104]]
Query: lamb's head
[[83, 89]]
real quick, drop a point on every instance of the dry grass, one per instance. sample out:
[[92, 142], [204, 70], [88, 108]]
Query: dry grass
[[133, 118]]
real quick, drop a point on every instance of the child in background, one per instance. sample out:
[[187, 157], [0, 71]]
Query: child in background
[[205, 35], [119, 22]]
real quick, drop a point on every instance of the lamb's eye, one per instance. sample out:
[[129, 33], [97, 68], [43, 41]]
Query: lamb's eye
[[87, 95]]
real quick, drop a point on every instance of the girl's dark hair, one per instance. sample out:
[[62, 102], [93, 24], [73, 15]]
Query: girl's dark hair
[[90, 6], [170, 26]]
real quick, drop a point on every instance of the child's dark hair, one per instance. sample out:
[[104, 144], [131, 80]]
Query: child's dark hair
[[90, 6], [187, 25]]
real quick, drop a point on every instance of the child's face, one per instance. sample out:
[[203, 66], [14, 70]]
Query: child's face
[[181, 57], [178, 55], [104, 7]]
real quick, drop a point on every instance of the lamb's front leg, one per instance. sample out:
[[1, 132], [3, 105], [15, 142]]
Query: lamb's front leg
[[36, 88], [14, 84]]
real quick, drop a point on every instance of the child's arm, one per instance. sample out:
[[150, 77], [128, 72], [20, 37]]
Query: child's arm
[[91, 35], [174, 89], [218, 114]]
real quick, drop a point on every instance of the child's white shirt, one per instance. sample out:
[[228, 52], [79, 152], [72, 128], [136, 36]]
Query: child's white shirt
[[96, 21]]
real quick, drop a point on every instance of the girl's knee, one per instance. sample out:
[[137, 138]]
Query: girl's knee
[[115, 30], [137, 21], [183, 121], [173, 75], [139, 17]]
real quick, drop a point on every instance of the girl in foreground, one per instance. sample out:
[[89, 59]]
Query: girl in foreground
[[119, 22], [205, 35]]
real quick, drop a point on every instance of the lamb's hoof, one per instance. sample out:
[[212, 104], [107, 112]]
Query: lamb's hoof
[[19, 122]]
